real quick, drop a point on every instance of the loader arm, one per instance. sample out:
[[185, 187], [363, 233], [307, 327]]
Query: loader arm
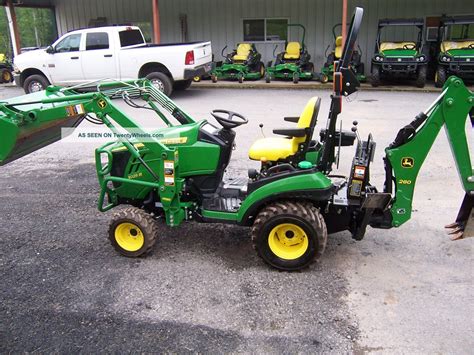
[[35, 121], [405, 156]]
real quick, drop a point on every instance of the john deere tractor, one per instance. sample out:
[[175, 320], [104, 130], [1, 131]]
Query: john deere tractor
[[456, 50], [399, 59], [292, 64], [6, 70], [243, 63], [175, 174], [328, 69]]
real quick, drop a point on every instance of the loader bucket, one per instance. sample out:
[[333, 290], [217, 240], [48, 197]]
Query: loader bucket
[[25, 127], [463, 227]]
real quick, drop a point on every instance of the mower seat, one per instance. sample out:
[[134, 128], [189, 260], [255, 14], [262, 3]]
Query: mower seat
[[384, 46], [277, 149], [292, 51], [3, 58], [448, 45], [338, 48], [243, 51]]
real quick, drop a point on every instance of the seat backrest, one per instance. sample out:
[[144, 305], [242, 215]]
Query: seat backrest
[[338, 48], [448, 45], [395, 45], [3, 58], [292, 50], [243, 51], [308, 119]]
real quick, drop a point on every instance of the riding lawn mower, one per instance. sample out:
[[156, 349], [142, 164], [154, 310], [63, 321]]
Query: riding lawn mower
[[6, 70], [292, 202]]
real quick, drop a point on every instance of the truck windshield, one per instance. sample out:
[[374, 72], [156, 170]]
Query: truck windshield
[[130, 38]]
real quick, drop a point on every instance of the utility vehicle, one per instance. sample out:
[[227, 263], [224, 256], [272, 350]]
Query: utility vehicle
[[6, 70], [456, 50], [243, 63], [113, 52], [356, 62], [175, 174], [294, 63], [399, 59]]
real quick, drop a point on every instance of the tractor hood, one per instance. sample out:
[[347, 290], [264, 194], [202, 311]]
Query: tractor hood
[[400, 53], [462, 53]]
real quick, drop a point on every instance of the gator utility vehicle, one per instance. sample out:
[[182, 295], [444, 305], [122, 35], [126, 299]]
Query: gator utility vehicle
[[399, 59], [294, 63], [328, 69], [291, 203], [456, 51], [6, 70], [243, 63]]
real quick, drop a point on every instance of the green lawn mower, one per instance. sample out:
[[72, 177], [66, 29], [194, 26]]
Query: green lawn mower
[[174, 174], [400, 59], [6, 70], [243, 63], [456, 56], [292, 64], [356, 62]]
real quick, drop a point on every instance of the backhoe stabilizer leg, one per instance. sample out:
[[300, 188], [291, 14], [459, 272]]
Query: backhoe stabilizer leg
[[463, 227]]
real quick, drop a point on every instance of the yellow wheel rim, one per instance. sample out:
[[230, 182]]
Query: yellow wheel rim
[[288, 241], [129, 236], [7, 77], [436, 77], [197, 79]]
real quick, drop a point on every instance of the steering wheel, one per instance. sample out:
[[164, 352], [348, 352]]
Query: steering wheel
[[228, 122], [409, 46], [471, 46]]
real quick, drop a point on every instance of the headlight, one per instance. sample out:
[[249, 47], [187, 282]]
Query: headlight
[[445, 58], [378, 58], [421, 58]]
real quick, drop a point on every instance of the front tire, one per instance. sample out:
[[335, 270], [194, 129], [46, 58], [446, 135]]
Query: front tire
[[421, 77], [289, 235], [133, 232], [35, 83], [296, 78], [375, 78], [162, 82], [440, 77]]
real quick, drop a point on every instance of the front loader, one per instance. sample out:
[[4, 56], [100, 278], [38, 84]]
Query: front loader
[[175, 174]]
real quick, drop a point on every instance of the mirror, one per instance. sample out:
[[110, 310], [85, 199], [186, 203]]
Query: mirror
[[351, 37], [50, 50]]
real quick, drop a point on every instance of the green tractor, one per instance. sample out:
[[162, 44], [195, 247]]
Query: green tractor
[[406, 59], [456, 55], [174, 174], [243, 63], [6, 70], [328, 69], [292, 64]]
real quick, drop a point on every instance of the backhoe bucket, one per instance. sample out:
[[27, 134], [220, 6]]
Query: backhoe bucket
[[24, 128]]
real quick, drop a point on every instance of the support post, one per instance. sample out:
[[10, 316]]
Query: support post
[[13, 27], [344, 21], [156, 22]]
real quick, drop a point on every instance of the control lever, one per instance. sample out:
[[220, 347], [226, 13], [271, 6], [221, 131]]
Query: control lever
[[261, 129], [354, 129]]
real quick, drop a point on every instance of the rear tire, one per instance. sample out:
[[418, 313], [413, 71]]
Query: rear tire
[[289, 235], [375, 77], [268, 78], [261, 69], [440, 77], [35, 83], [5, 76], [162, 82], [421, 77], [214, 78], [133, 232], [323, 78], [241, 79]]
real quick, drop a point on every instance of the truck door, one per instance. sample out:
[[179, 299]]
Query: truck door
[[98, 61], [64, 64]]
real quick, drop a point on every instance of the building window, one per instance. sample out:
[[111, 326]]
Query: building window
[[97, 40], [265, 30]]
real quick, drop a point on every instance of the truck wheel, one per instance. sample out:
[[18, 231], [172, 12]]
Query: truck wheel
[[440, 77], [421, 77], [289, 235], [133, 232], [161, 81], [35, 83], [6, 76], [182, 84], [375, 78]]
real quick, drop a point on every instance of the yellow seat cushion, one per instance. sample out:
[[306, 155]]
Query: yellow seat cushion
[[395, 45], [292, 50], [276, 148], [243, 51], [338, 49], [448, 45], [3, 58]]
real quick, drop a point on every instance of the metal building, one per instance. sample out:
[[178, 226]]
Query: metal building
[[225, 22]]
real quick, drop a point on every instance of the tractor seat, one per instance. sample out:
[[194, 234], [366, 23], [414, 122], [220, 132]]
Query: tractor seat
[[292, 50], [275, 148], [448, 45], [243, 51], [338, 49], [384, 46]]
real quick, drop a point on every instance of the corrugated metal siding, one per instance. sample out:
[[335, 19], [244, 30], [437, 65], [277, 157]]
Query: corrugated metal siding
[[221, 20]]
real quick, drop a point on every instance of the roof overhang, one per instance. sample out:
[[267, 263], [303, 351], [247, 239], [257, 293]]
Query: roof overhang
[[461, 20], [29, 3], [402, 22]]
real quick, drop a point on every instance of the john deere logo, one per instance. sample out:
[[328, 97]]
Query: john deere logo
[[102, 103], [408, 162]]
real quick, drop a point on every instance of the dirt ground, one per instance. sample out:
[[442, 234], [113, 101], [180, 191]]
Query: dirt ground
[[203, 289]]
